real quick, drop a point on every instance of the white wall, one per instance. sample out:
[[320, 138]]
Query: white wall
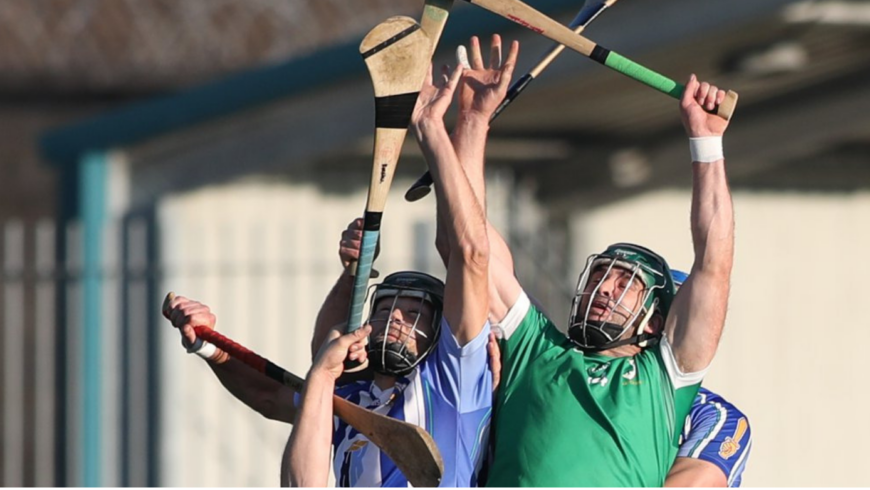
[[793, 355]]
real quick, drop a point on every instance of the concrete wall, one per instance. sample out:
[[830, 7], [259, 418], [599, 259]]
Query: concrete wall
[[792, 355]]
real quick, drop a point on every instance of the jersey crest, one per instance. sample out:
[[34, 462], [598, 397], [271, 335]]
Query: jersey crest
[[598, 374], [356, 446], [731, 444], [630, 376]]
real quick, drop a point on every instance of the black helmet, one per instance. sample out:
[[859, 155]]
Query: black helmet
[[645, 266], [394, 358]]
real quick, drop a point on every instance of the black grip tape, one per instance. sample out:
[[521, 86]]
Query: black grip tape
[[514, 91], [394, 111], [372, 220], [600, 54], [274, 372]]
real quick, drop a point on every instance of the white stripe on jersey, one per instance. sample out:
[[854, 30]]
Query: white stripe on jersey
[[741, 461], [723, 415], [515, 315], [679, 379], [415, 403]]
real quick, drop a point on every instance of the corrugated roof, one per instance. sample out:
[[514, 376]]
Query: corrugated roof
[[244, 90], [134, 46]]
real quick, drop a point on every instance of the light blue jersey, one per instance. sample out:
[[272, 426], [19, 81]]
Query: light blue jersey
[[716, 431], [449, 395]]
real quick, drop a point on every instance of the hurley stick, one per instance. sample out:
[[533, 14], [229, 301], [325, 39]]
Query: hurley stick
[[435, 13], [587, 14], [410, 447], [530, 18], [397, 55]]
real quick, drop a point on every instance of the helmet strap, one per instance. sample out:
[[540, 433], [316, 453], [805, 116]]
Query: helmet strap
[[645, 321]]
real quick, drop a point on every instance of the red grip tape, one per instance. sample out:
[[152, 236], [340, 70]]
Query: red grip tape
[[234, 349]]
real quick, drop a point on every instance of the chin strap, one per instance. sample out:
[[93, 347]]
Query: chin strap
[[637, 339]]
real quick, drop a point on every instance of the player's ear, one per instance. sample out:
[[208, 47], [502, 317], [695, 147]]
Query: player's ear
[[655, 324]]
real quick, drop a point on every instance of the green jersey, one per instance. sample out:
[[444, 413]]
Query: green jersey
[[567, 418]]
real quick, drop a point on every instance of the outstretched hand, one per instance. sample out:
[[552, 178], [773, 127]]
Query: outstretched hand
[[435, 97], [339, 347], [698, 101], [482, 88]]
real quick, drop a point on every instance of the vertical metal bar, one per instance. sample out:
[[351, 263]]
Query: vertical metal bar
[[92, 204], [110, 357], [44, 354], [152, 316], [13, 355], [72, 436], [136, 411], [63, 376], [125, 278]]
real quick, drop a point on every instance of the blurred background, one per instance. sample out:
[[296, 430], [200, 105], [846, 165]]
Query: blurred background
[[217, 148]]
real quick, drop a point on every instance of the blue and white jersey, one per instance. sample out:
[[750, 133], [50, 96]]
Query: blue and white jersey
[[716, 431], [449, 394]]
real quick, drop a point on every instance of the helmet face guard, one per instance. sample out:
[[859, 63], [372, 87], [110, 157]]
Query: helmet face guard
[[632, 263], [393, 356]]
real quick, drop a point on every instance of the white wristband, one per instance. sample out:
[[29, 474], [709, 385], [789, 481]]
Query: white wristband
[[706, 149]]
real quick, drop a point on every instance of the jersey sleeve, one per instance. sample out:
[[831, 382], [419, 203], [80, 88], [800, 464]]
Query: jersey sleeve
[[462, 373], [719, 433]]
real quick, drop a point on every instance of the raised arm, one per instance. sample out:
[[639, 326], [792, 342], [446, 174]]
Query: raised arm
[[481, 90], [333, 311], [697, 316], [464, 223], [264, 395], [306, 456]]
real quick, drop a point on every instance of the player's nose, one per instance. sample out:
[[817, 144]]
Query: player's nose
[[606, 288], [396, 316], [399, 321]]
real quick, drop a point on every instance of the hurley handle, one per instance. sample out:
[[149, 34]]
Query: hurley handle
[[250, 358]]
